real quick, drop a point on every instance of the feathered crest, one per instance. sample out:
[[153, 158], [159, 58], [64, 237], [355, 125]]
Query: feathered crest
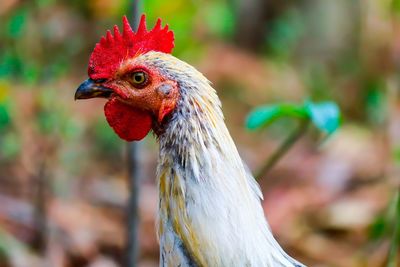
[[112, 50]]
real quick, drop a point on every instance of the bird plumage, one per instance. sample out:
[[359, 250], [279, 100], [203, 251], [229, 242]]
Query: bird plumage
[[210, 212]]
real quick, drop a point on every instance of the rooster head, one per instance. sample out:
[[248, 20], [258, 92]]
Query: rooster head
[[138, 94]]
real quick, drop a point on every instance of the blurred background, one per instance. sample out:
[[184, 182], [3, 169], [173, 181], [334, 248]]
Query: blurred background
[[63, 172]]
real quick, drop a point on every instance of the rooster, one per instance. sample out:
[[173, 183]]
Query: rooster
[[210, 211]]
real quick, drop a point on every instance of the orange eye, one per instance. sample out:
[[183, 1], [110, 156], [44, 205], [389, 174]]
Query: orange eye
[[139, 79]]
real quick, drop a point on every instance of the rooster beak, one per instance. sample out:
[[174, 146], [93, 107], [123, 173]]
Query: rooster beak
[[92, 88]]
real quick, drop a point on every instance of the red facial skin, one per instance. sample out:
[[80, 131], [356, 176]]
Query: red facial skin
[[130, 110]]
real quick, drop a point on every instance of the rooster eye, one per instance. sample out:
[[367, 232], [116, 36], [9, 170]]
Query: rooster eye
[[139, 79]]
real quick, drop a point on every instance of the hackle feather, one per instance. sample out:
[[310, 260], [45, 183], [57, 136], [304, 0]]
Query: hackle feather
[[210, 211]]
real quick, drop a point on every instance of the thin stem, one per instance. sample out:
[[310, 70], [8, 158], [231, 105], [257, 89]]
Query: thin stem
[[40, 215], [394, 246], [282, 149], [132, 246]]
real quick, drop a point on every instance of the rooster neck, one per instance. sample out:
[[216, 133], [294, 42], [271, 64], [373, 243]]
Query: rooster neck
[[192, 145], [193, 136], [195, 132], [209, 202], [209, 209]]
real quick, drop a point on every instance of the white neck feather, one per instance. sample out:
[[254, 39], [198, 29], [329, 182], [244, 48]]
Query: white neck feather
[[208, 199]]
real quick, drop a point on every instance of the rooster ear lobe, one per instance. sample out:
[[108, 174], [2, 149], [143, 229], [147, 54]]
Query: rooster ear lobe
[[169, 97]]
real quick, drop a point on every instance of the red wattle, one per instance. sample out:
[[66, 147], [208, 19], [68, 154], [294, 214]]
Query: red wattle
[[129, 123]]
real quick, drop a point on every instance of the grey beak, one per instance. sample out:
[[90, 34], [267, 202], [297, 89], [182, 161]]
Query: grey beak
[[91, 88]]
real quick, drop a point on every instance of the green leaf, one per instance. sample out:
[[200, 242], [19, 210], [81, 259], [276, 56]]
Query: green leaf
[[30, 73], [17, 23], [376, 102], [5, 119], [10, 64], [325, 115], [378, 228], [265, 115]]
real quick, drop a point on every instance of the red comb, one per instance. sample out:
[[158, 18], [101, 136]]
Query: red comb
[[112, 50]]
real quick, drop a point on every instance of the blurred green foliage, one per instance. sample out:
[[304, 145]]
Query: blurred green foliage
[[106, 144], [284, 35], [325, 115], [45, 45], [5, 119], [10, 248], [220, 19], [17, 23], [375, 101], [171, 13], [9, 143], [387, 226], [395, 7], [265, 115], [46, 41]]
